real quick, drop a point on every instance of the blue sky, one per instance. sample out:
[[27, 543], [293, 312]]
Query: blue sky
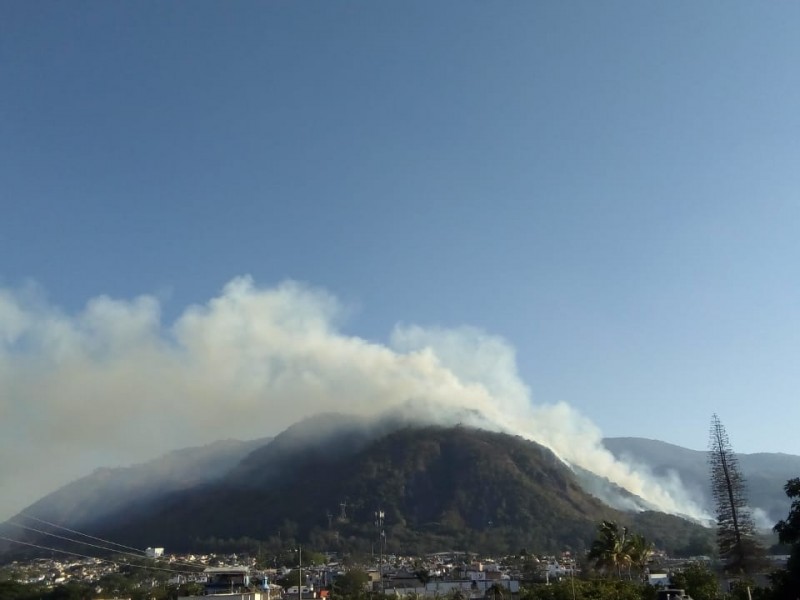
[[611, 187]]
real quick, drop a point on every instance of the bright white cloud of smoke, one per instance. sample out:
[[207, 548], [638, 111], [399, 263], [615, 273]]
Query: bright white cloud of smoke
[[113, 385]]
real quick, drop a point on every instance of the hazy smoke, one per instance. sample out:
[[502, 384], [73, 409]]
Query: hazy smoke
[[113, 385], [762, 520]]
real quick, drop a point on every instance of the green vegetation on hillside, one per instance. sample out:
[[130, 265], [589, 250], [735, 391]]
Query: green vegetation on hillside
[[439, 487]]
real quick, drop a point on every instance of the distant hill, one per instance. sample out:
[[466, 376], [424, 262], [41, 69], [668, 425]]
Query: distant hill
[[766, 473], [439, 488], [107, 493]]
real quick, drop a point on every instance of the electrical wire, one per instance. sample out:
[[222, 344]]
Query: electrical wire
[[57, 526], [108, 560], [61, 537], [27, 516]]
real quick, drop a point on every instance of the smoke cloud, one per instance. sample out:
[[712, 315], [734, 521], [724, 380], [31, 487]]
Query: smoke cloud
[[114, 385]]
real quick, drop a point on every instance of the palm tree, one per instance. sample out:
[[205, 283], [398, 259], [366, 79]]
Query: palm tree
[[639, 551], [611, 550]]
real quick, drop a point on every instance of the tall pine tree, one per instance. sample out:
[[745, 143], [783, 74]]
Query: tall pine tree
[[738, 548]]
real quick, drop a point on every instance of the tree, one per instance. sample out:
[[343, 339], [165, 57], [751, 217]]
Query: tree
[[582, 589], [496, 592], [788, 529], [697, 581], [13, 590], [787, 583], [423, 574], [351, 584], [738, 548], [639, 552], [291, 579], [616, 548], [610, 551]]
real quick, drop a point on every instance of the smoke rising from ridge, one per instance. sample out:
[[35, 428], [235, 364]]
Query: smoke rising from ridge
[[113, 385]]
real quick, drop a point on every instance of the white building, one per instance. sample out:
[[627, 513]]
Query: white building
[[661, 579], [154, 552]]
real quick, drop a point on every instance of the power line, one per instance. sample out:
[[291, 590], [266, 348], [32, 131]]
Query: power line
[[79, 533], [113, 562], [61, 537], [57, 526]]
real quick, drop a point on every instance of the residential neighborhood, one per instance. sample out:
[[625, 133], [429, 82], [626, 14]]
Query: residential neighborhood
[[446, 574]]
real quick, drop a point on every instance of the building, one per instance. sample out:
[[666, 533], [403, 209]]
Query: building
[[241, 596], [473, 589], [222, 580]]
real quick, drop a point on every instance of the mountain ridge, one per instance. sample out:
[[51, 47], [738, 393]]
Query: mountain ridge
[[438, 486], [221, 490]]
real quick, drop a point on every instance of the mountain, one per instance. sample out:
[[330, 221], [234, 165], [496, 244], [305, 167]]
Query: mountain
[[315, 440], [766, 473], [106, 492], [439, 488]]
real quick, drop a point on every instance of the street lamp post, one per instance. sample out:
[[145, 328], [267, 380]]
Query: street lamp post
[[379, 514]]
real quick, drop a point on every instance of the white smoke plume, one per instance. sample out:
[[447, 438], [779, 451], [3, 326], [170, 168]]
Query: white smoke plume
[[762, 520], [114, 385]]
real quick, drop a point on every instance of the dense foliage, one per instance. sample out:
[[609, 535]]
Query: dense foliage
[[597, 589], [698, 581], [11, 590], [787, 583], [352, 584]]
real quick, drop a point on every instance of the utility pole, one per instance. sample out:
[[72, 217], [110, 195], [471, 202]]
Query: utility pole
[[379, 514], [572, 578], [300, 582]]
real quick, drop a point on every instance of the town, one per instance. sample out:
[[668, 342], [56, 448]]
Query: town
[[448, 574]]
